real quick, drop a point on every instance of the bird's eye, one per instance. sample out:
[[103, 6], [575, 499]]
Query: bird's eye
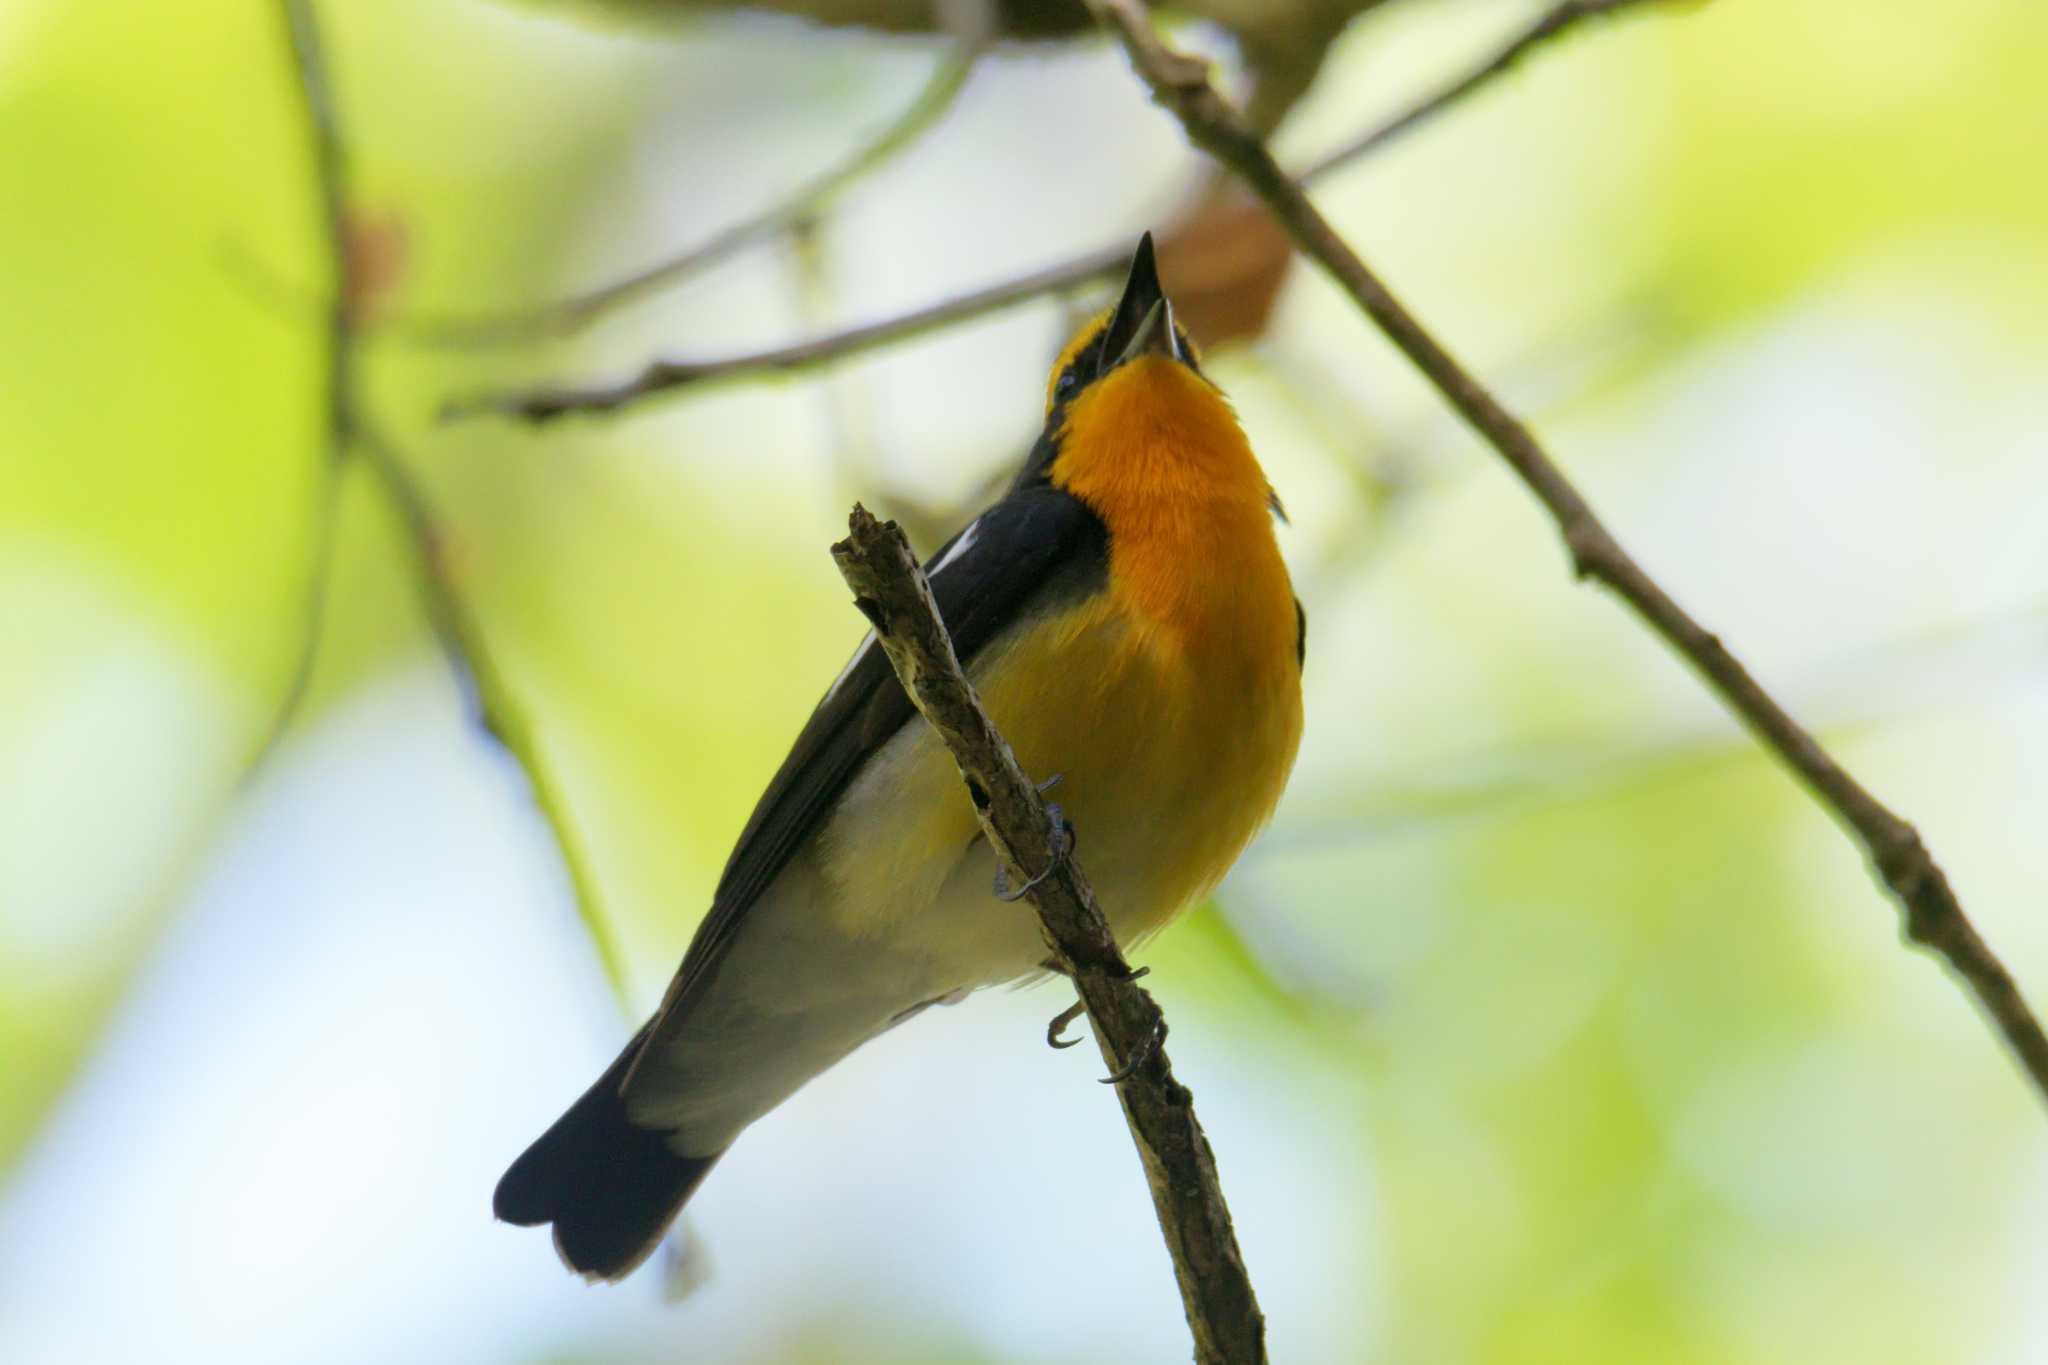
[[1068, 383]]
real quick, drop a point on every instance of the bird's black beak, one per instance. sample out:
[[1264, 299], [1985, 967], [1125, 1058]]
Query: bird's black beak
[[1143, 321]]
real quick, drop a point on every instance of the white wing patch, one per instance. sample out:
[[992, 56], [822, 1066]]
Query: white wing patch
[[959, 546]]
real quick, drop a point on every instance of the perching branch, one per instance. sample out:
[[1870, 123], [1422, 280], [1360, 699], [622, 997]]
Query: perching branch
[[572, 314], [350, 432], [1075, 273], [1933, 916], [1216, 1292]]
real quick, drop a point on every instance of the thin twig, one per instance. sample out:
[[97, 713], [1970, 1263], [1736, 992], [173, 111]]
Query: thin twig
[[330, 157], [493, 704], [1216, 1292], [454, 623], [1076, 273], [1933, 915], [572, 314]]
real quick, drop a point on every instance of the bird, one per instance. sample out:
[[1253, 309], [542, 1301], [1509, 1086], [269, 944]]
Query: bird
[[1126, 617]]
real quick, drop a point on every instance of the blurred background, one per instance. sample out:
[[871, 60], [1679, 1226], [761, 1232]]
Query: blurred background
[[1549, 1022]]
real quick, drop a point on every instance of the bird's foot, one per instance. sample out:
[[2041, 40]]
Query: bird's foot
[[1062, 841], [1059, 1024], [1139, 1055]]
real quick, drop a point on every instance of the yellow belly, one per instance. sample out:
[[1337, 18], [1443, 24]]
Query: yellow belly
[[1171, 747]]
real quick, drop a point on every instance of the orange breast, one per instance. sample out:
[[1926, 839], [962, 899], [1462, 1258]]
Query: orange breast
[[1169, 704], [1159, 455], [1206, 682]]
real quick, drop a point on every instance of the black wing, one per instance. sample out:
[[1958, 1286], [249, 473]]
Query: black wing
[[1036, 547]]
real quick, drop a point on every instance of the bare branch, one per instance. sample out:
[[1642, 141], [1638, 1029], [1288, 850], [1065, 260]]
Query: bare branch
[[1216, 1292], [572, 314], [492, 702], [1064, 277], [337, 380], [1933, 915], [350, 432]]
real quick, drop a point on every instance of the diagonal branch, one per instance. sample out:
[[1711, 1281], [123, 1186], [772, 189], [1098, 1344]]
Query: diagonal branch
[[1216, 1292], [350, 432], [493, 704], [1933, 916], [1077, 272], [330, 157]]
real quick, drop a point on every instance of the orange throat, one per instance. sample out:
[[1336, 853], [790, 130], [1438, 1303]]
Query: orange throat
[[1158, 453]]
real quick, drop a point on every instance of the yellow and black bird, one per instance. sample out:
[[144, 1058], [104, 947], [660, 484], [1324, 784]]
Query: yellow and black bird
[[1125, 615]]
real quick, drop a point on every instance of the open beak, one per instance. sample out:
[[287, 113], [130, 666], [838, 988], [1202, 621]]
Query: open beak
[[1143, 321]]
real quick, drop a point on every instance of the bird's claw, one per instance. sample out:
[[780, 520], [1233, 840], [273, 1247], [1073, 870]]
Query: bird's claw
[[1005, 893], [1139, 1055], [1062, 841], [1061, 834], [1059, 1024]]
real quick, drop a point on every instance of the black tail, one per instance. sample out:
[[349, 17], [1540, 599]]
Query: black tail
[[611, 1188]]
